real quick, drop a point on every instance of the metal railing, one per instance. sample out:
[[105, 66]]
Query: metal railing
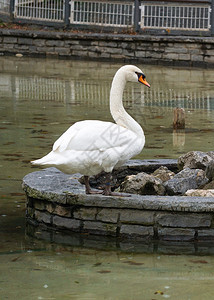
[[175, 16], [45, 10], [140, 15], [102, 13]]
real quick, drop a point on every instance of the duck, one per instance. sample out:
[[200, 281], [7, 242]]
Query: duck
[[90, 147]]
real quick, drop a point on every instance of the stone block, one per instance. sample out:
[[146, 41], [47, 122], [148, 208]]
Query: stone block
[[100, 228], [108, 44], [42, 217], [66, 223], [209, 59], [59, 210], [85, 213], [8, 46], [206, 234], [171, 50], [39, 42], [176, 234], [210, 52], [140, 54], [40, 205], [21, 47], [25, 41], [153, 54], [93, 54], [183, 220], [105, 55], [79, 53], [9, 40], [114, 50], [137, 230], [44, 49], [142, 217], [170, 56], [118, 56], [108, 215], [197, 57], [184, 56], [55, 43], [128, 53], [61, 50]]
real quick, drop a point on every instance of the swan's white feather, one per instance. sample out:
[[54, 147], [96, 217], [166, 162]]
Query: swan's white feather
[[92, 146]]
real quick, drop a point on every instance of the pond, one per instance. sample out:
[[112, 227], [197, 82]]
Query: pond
[[39, 100]]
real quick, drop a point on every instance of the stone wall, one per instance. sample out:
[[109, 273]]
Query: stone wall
[[59, 202], [170, 50]]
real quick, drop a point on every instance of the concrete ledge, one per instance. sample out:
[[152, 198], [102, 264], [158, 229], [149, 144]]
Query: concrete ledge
[[59, 202]]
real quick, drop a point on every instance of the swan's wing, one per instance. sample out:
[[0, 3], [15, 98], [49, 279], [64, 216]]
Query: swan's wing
[[94, 135]]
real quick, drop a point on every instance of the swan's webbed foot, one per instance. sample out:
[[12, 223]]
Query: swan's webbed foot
[[88, 189], [107, 190]]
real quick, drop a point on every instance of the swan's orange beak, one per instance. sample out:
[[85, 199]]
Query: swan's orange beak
[[143, 80]]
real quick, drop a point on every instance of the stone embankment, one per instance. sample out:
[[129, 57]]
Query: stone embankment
[[58, 202], [168, 50]]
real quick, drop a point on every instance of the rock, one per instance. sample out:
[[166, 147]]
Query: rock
[[211, 154], [209, 186], [210, 170], [194, 160], [200, 193], [163, 173], [142, 184], [185, 180]]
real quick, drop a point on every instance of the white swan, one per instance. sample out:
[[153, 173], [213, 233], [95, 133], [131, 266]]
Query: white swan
[[91, 146]]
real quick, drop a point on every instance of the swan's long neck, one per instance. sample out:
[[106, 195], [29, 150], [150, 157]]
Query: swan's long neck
[[118, 112]]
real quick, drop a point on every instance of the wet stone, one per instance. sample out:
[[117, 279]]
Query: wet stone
[[137, 217], [43, 217], [183, 220], [205, 233], [108, 215], [99, 227], [143, 184], [133, 230], [66, 223], [185, 180], [176, 234], [194, 160], [163, 173], [85, 213]]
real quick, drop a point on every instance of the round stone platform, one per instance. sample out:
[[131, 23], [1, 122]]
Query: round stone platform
[[58, 202]]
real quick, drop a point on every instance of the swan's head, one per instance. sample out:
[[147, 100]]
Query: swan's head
[[134, 74]]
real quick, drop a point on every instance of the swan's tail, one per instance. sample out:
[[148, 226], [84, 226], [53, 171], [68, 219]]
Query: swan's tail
[[47, 160]]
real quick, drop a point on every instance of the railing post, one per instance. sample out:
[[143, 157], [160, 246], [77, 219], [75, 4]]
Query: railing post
[[212, 17], [67, 12], [12, 6], [137, 15]]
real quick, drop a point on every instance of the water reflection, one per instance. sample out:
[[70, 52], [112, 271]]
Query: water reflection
[[79, 88], [39, 100]]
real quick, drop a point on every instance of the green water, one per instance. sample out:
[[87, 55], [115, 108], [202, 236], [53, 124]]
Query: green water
[[39, 100]]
